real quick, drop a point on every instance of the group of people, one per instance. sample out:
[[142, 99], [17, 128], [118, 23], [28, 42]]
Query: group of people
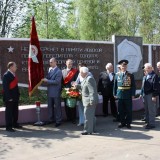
[[69, 77], [112, 86]]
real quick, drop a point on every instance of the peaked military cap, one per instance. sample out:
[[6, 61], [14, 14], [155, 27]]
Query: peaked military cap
[[123, 61]]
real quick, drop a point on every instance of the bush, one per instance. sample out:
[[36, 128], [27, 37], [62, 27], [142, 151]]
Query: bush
[[25, 99]]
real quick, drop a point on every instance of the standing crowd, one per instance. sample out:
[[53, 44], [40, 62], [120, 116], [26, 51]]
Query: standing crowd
[[112, 86]]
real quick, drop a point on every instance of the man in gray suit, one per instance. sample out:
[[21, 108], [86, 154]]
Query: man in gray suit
[[53, 81], [89, 98]]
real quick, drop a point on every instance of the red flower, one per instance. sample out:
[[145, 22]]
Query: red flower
[[70, 93]]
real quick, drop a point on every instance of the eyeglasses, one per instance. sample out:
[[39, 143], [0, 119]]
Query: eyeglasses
[[50, 62]]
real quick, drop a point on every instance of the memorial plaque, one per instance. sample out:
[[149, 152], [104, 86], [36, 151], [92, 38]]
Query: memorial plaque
[[94, 54], [129, 48]]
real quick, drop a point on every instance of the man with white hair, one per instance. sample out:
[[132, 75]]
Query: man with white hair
[[89, 99], [105, 87], [150, 89]]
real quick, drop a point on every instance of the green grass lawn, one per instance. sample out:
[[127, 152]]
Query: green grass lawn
[[24, 98]]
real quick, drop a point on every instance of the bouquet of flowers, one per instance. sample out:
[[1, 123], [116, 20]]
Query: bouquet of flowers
[[71, 95]]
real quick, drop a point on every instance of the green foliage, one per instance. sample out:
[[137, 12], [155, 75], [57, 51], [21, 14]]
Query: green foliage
[[82, 19], [11, 12], [24, 98]]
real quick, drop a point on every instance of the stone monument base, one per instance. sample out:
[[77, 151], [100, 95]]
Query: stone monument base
[[27, 113]]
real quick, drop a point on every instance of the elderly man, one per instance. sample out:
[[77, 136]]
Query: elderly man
[[11, 97], [89, 99], [150, 89], [124, 90], [53, 81], [105, 87]]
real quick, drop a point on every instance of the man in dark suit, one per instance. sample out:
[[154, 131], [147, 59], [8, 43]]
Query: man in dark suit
[[11, 97], [69, 75], [53, 81], [124, 90], [105, 87]]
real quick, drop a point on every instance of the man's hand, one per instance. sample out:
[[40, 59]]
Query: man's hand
[[44, 80], [133, 97]]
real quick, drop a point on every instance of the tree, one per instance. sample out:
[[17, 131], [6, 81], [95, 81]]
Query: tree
[[150, 18], [47, 20], [94, 19], [129, 19], [87, 19], [10, 10]]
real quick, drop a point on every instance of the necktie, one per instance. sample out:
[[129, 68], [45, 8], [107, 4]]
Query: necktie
[[122, 75]]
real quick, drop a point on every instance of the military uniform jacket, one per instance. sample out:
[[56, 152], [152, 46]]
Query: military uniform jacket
[[124, 85]]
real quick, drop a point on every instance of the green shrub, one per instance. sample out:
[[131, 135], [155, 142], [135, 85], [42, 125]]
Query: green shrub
[[39, 95]]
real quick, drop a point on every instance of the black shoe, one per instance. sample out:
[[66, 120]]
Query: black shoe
[[121, 125], [149, 127], [18, 126], [115, 120], [74, 121], [85, 133], [49, 122], [57, 124], [129, 126], [144, 119], [10, 130], [105, 115]]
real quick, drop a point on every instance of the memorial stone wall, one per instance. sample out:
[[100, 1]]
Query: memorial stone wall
[[95, 54]]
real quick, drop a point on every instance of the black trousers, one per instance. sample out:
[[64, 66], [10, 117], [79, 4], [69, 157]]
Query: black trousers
[[70, 113], [125, 111], [11, 114], [112, 105]]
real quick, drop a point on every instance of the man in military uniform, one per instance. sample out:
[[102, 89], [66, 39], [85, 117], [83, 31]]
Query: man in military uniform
[[124, 90]]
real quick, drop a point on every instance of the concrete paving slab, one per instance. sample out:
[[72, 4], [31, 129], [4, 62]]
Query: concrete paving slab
[[67, 143]]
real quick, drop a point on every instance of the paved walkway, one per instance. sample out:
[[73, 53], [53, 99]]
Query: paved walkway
[[66, 142]]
